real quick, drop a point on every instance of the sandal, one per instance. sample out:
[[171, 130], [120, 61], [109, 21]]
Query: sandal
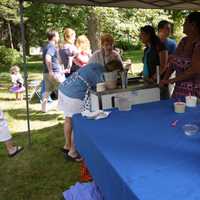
[[64, 150], [78, 158], [18, 150]]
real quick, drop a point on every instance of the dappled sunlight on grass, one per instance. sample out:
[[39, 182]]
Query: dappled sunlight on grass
[[16, 114], [15, 111]]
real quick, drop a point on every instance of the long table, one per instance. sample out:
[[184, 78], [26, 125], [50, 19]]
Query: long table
[[139, 155]]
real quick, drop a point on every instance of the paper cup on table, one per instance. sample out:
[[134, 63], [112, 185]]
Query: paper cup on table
[[191, 101], [100, 87], [179, 107], [123, 103]]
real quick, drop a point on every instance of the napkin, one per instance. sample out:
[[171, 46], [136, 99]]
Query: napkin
[[99, 114]]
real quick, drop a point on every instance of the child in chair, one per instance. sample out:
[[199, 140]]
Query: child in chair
[[17, 82]]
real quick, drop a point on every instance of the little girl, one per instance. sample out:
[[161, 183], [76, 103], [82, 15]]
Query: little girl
[[17, 82], [7, 138]]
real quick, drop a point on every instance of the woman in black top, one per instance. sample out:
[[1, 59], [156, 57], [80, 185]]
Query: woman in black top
[[155, 54]]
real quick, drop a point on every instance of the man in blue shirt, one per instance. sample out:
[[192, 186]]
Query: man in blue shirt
[[164, 31], [53, 71]]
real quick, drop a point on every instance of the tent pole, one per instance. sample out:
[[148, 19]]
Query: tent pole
[[25, 67]]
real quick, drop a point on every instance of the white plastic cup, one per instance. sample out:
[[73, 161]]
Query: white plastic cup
[[123, 104], [179, 107], [100, 87], [110, 76], [191, 101]]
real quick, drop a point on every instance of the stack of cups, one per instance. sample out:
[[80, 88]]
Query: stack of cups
[[123, 103]]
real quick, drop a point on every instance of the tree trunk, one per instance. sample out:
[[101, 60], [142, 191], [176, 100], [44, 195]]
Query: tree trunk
[[27, 43], [93, 30], [10, 35]]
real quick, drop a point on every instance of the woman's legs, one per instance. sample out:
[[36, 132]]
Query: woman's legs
[[72, 150], [68, 132], [69, 136]]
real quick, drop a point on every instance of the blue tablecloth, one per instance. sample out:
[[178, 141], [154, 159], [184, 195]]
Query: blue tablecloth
[[139, 155]]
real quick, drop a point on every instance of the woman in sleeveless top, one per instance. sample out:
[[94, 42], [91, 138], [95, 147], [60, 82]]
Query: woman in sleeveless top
[[185, 62]]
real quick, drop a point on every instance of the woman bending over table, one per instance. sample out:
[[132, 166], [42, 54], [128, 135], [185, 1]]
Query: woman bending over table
[[73, 98]]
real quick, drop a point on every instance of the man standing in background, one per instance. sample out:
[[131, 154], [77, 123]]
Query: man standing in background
[[53, 71], [164, 31]]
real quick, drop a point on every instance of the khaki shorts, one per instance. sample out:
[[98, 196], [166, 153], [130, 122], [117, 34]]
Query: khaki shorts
[[52, 83]]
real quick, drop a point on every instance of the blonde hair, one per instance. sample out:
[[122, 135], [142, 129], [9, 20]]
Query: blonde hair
[[14, 69], [83, 44], [107, 38], [68, 33]]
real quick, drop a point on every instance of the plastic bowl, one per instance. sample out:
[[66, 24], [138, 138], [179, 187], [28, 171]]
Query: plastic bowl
[[190, 129]]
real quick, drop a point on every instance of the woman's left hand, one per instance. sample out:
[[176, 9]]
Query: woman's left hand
[[172, 81], [166, 82], [163, 83]]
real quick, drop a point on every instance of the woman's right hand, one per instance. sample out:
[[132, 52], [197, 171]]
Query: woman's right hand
[[163, 83], [171, 58]]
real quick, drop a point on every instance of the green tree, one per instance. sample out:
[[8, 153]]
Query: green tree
[[9, 21], [41, 17]]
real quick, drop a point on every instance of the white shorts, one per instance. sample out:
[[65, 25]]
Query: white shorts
[[4, 132], [68, 105]]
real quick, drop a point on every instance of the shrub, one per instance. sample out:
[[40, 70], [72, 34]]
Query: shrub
[[127, 45], [9, 57]]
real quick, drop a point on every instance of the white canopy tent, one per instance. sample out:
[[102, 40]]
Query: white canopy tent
[[165, 4], [153, 4]]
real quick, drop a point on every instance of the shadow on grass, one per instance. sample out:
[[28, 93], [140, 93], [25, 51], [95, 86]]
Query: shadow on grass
[[7, 99], [40, 171], [20, 113]]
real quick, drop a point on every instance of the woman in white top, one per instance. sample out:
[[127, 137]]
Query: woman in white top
[[6, 137], [106, 53]]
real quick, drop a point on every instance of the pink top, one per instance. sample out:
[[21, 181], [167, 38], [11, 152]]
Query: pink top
[[81, 59]]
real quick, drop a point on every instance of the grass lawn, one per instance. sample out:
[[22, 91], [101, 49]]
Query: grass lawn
[[39, 172], [136, 58]]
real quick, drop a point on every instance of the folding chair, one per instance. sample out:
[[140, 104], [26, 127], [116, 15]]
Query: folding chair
[[35, 87]]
